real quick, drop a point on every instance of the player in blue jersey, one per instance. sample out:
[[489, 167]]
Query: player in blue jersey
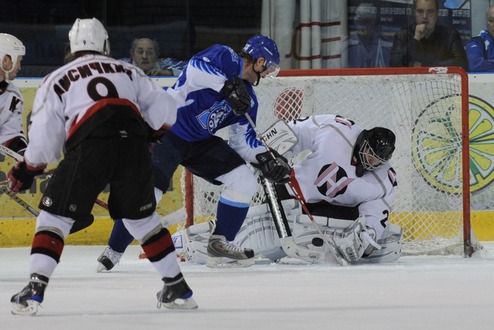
[[215, 91]]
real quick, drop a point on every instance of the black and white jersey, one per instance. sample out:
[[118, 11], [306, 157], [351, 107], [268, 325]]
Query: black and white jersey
[[328, 172], [72, 94], [11, 108]]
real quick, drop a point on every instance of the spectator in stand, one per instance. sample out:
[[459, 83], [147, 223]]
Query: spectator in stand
[[144, 53], [480, 49], [427, 44], [366, 47]]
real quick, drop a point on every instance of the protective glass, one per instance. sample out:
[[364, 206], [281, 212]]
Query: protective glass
[[272, 69]]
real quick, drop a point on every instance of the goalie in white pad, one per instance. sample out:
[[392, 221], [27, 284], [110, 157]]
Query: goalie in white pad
[[346, 176], [259, 233]]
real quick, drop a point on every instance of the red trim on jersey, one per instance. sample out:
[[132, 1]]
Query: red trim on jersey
[[97, 106]]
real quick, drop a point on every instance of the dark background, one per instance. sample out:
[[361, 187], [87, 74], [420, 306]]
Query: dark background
[[181, 27]]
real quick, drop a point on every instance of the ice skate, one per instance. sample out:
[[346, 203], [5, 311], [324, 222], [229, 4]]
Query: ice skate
[[226, 254], [176, 294], [108, 259], [27, 301]]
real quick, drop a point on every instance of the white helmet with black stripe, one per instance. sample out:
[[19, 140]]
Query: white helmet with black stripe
[[89, 34]]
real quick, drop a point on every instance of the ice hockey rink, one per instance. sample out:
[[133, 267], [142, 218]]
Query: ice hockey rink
[[443, 292]]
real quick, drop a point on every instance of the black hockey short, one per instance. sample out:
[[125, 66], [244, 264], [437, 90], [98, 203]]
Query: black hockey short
[[323, 208], [116, 153], [207, 159]]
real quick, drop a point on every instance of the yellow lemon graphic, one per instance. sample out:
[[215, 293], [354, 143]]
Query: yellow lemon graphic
[[436, 139], [481, 120]]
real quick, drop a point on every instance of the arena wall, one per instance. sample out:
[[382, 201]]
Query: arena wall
[[17, 224]]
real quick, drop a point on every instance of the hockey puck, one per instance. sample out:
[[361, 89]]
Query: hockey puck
[[317, 241]]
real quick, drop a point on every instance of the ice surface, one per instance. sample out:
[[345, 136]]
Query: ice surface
[[446, 292]]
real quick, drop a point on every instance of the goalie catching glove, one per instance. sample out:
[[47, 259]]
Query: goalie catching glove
[[21, 176], [237, 95], [273, 166]]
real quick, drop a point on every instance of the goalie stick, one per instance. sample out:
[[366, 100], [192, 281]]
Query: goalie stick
[[333, 248], [288, 244]]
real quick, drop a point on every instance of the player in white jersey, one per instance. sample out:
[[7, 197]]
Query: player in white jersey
[[95, 110], [346, 181], [348, 166], [11, 100]]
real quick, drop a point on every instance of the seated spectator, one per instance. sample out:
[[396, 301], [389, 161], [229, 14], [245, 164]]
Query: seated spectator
[[144, 53], [367, 48], [427, 43], [480, 49]]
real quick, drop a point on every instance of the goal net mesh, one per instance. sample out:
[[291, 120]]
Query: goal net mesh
[[423, 109]]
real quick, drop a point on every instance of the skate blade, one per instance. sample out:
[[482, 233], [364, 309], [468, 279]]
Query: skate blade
[[101, 268], [220, 262], [188, 303], [30, 309]]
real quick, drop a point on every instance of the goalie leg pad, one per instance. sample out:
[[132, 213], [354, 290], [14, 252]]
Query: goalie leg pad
[[195, 239], [391, 243], [259, 234]]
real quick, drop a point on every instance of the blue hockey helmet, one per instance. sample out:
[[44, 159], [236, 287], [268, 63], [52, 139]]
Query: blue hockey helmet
[[262, 46]]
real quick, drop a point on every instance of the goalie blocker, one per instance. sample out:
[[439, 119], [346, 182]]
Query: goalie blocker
[[259, 233]]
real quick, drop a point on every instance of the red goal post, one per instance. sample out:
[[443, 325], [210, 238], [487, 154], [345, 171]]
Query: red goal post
[[427, 108]]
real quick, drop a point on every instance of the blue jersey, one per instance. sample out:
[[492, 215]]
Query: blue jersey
[[480, 53], [202, 110]]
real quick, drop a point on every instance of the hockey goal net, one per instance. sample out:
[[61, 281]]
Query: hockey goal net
[[427, 109]]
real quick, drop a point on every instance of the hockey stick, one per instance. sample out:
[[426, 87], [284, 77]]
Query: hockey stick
[[19, 158], [11, 153], [17, 199], [297, 194]]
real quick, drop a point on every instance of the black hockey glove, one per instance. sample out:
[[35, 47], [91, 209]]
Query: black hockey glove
[[21, 176], [237, 95], [274, 169]]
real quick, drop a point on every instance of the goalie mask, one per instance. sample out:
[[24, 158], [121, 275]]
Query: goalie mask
[[10, 45], [261, 46], [89, 35], [373, 148]]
